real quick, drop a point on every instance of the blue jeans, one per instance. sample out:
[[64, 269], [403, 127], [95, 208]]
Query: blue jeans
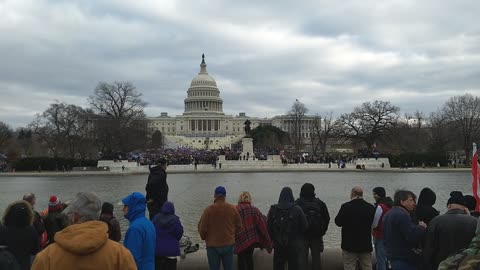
[[403, 265], [216, 255], [380, 254]]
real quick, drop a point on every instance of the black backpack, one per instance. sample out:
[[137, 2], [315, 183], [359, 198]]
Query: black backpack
[[282, 220], [313, 213], [8, 260]]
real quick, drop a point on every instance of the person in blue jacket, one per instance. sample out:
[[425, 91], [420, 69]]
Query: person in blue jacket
[[140, 236], [169, 231]]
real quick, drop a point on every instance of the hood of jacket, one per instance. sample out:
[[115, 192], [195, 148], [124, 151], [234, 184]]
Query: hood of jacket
[[286, 199], [137, 205], [167, 216], [18, 214], [84, 238], [427, 197], [156, 169], [387, 201]]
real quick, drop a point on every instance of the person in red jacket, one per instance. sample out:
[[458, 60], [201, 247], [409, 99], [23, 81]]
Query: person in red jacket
[[383, 204], [253, 233]]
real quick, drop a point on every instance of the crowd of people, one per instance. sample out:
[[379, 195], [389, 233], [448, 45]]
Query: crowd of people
[[84, 233]]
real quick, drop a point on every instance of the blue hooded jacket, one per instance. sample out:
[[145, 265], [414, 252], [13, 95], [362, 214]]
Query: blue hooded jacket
[[140, 236], [169, 231]]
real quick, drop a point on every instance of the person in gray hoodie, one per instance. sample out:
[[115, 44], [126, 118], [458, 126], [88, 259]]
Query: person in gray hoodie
[[286, 226]]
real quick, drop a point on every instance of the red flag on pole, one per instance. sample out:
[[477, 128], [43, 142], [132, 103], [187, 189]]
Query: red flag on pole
[[476, 178]]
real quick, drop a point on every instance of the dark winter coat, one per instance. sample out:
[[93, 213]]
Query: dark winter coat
[[157, 189], [356, 218], [18, 234], [54, 222], [447, 234], [169, 232], [114, 232], [401, 235], [424, 210], [323, 213], [299, 221]]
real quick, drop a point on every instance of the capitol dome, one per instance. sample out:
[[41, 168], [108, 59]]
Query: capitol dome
[[203, 79], [203, 96]]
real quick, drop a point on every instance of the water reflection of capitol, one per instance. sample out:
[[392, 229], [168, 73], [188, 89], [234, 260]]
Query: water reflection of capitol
[[204, 119]]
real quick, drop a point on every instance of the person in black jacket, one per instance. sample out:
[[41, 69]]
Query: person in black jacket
[[424, 210], [356, 218], [37, 220], [18, 234], [157, 188], [448, 233], [318, 218], [286, 226]]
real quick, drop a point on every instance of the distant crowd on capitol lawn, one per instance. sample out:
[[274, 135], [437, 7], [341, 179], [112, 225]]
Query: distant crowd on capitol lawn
[[403, 232]]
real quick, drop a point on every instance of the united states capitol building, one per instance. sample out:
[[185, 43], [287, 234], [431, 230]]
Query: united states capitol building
[[203, 122]]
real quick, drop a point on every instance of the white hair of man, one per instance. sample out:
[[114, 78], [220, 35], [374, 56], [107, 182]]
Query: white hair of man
[[86, 207]]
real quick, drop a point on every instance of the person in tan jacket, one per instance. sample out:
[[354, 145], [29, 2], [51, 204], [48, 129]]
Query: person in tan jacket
[[217, 227], [85, 244]]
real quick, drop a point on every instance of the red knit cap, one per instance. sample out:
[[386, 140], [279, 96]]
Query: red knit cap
[[54, 204]]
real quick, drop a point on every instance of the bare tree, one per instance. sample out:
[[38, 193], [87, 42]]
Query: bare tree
[[61, 127], [440, 134], [5, 134], [464, 113], [24, 138], [296, 117], [367, 123], [322, 132], [120, 107]]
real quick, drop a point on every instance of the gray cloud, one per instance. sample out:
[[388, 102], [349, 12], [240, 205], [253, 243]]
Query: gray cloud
[[332, 56]]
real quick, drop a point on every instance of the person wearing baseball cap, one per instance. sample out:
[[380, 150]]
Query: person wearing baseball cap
[[218, 225]]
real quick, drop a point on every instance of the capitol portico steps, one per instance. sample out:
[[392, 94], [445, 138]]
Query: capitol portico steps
[[273, 163]]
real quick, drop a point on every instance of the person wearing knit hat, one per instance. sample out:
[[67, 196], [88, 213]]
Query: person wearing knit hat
[[318, 218], [382, 207], [55, 220], [217, 226], [54, 204], [448, 233], [471, 204], [114, 232]]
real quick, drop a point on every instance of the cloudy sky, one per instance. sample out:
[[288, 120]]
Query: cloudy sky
[[331, 55]]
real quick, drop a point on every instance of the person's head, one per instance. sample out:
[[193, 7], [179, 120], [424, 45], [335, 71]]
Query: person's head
[[18, 214], [456, 200], [245, 197], [471, 202], [427, 197], [85, 207], [379, 193], [30, 197], [162, 162], [54, 204], [286, 196], [405, 199], [356, 192], [134, 206], [220, 192], [307, 191], [107, 208], [168, 208]]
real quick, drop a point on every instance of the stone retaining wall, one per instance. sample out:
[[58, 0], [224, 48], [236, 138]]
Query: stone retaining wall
[[331, 259]]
